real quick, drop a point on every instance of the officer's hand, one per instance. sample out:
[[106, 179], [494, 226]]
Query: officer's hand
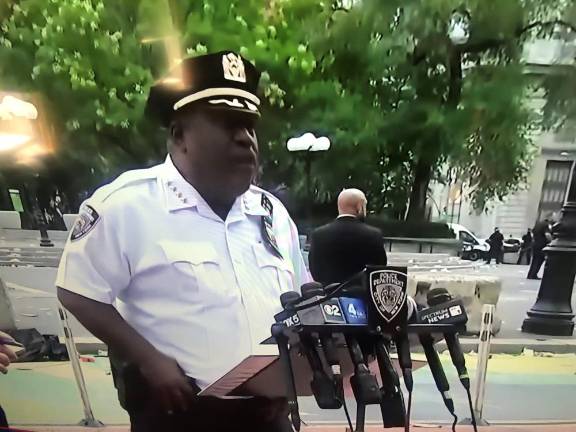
[[6, 356], [167, 382]]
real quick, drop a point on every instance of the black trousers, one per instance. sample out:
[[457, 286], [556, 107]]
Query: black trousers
[[525, 253], [497, 254], [207, 414], [3, 421], [538, 257]]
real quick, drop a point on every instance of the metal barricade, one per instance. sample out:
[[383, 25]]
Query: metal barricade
[[89, 419]]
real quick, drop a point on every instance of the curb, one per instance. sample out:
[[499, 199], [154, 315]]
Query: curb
[[339, 426], [517, 346]]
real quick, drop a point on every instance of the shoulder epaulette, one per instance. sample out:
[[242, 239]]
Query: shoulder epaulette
[[124, 180]]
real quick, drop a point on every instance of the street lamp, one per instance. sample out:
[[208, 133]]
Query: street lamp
[[459, 27], [308, 143], [552, 313]]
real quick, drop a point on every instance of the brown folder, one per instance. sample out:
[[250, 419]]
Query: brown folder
[[261, 374]]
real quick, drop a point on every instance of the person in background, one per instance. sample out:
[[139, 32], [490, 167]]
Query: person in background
[[542, 236], [496, 242], [526, 247], [345, 246]]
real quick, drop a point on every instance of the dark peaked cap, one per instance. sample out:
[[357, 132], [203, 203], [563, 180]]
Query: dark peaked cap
[[221, 80]]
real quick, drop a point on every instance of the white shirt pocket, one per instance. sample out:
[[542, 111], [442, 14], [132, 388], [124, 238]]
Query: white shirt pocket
[[196, 268], [277, 274]]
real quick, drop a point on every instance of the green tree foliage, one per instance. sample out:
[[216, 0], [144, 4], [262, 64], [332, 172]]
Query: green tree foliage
[[443, 103], [398, 100], [85, 59]]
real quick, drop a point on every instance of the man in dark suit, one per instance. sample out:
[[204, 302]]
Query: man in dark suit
[[345, 246], [542, 237], [526, 247], [496, 242]]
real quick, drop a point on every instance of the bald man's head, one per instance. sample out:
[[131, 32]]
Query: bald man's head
[[352, 202]]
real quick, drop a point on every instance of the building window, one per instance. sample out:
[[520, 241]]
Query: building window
[[16, 200], [554, 187]]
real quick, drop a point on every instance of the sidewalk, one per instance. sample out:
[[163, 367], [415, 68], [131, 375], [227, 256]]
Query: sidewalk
[[520, 389]]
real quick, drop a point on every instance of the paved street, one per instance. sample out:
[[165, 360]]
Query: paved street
[[517, 297], [33, 298]]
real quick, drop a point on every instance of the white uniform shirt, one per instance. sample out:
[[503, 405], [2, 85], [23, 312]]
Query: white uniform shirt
[[201, 290]]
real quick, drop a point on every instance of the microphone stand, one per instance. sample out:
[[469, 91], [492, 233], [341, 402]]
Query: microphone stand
[[364, 384], [392, 405], [282, 342]]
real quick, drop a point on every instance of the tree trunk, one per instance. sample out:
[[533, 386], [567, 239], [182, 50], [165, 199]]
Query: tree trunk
[[423, 169], [422, 175]]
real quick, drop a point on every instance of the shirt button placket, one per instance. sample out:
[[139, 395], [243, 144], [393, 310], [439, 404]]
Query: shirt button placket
[[239, 274]]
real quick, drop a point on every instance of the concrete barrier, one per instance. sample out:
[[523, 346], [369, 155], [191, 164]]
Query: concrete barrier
[[10, 219], [474, 290], [19, 238], [423, 245], [31, 294]]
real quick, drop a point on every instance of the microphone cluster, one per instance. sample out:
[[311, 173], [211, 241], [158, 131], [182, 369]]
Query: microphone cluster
[[371, 313]]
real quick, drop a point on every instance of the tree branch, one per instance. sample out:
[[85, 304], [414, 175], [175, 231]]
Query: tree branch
[[474, 47], [339, 8], [497, 43], [545, 24]]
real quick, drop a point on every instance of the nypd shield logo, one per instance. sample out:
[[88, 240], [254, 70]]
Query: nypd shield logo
[[87, 220], [387, 289], [233, 67]]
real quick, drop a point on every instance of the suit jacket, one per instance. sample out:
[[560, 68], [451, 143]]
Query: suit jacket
[[496, 240], [343, 248], [527, 240], [540, 238]]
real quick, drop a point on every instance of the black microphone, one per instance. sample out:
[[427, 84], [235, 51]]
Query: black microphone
[[443, 310], [392, 404], [323, 387], [312, 309], [403, 346], [279, 334], [438, 297], [438, 314], [364, 384], [330, 350], [289, 299], [311, 289], [437, 370]]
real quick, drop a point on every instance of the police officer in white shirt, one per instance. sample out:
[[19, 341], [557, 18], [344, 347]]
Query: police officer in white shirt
[[179, 268]]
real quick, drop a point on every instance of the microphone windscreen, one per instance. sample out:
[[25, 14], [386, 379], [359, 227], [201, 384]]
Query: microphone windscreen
[[438, 296], [289, 298], [311, 289]]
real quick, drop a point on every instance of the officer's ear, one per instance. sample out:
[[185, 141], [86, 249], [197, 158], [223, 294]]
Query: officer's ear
[[176, 131], [176, 136]]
